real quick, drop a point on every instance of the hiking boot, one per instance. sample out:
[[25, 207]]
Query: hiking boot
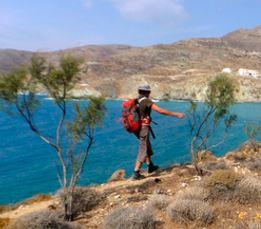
[[137, 176], [152, 168]]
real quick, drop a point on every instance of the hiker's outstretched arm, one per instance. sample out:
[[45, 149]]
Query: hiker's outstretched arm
[[166, 112]]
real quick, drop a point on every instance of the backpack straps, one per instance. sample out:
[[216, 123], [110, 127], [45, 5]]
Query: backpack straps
[[141, 99]]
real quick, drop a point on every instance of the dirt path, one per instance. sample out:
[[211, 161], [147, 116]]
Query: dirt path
[[27, 209]]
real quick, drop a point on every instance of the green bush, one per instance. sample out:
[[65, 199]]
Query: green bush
[[229, 186], [221, 184], [226, 178], [130, 218]]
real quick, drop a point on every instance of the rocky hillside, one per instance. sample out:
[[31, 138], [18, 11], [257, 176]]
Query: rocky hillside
[[175, 71], [227, 196]]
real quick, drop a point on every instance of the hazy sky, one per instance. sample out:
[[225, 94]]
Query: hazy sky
[[57, 24]]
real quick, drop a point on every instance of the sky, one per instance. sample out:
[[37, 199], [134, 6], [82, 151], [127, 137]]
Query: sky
[[45, 25]]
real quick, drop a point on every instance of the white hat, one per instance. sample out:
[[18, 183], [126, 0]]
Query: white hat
[[144, 88]]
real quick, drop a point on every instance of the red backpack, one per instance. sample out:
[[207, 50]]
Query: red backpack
[[131, 116]]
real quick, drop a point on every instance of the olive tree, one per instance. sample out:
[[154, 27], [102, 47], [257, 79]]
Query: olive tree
[[205, 118], [19, 89]]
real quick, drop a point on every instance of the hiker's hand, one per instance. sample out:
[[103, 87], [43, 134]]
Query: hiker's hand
[[180, 115]]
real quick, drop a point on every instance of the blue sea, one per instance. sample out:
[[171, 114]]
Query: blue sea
[[28, 166]]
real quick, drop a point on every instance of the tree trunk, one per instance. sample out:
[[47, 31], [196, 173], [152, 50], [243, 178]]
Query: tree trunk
[[68, 216], [194, 156]]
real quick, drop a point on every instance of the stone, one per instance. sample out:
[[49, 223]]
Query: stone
[[158, 191], [183, 185], [119, 175]]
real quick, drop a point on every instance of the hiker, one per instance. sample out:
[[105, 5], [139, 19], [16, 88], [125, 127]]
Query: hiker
[[145, 149]]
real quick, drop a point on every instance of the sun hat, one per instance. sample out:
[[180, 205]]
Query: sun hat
[[144, 88]]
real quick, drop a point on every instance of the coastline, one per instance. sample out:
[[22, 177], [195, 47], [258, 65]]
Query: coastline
[[125, 192]]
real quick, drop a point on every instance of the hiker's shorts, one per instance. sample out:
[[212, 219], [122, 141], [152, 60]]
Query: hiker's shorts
[[145, 148]]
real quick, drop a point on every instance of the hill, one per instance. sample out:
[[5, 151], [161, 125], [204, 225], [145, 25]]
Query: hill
[[175, 71]]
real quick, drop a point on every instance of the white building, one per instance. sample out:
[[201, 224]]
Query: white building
[[248, 73], [227, 70]]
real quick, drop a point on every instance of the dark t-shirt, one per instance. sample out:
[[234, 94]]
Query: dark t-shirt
[[145, 107]]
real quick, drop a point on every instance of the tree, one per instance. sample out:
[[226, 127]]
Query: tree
[[252, 131], [19, 89], [204, 119]]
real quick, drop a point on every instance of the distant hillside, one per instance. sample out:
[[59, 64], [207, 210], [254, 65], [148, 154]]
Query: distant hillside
[[175, 71], [10, 59]]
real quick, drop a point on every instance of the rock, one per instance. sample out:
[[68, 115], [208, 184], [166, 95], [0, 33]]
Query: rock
[[119, 175], [206, 156], [158, 191], [197, 178], [183, 185], [157, 180]]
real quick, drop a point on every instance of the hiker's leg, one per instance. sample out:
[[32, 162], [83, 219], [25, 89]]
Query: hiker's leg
[[151, 166], [149, 151], [143, 147], [138, 166], [142, 154], [148, 160]]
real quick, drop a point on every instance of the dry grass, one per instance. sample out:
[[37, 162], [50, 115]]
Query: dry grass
[[5, 208], [84, 199], [130, 218], [4, 222], [221, 184], [229, 186], [37, 199], [254, 164], [227, 178], [248, 190], [159, 202], [43, 220], [254, 224], [215, 165], [192, 193], [186, 211]]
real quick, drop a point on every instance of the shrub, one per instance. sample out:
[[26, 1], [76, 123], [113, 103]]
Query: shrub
[[159, 201], [215, 165], [240, 156], [4, 222], [5, 208], [185, 211], [43, 220], [248, 225], [254, 225], [84, 199], [130, 218], [221, 184], [117, 176], [192, 193], [248, 190], [254, 164]]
